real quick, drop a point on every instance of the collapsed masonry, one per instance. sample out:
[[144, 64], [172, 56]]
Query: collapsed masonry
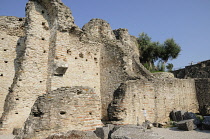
[[54, 71]]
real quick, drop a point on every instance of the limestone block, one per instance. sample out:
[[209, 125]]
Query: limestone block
[[74, 134], [134, 132], [60, 68], [186, 125]]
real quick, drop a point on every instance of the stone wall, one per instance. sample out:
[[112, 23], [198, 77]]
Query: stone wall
[[11, 46], [200, 70], [137, 100], [203, 95], [61, 110]]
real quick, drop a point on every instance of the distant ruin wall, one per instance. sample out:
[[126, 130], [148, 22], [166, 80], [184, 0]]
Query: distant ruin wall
[[138, 100], [200, 70], [203, 95]]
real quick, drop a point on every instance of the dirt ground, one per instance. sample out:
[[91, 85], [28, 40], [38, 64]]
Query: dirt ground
[[174, 133]]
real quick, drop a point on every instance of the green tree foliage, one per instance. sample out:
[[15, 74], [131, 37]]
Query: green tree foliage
[[170, 50], [150, 52], [169, 67]]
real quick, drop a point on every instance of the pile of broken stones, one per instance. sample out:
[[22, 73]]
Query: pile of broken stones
[[111, 132], [189, 121]]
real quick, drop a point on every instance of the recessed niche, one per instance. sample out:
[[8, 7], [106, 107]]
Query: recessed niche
[[20, 19], [43, 23], [44, 51], [5, 61], [68, 52], [1, 74], [86, 60], [16, 113], [75, 57], [81, 55], [18, 43], [17, 99], [43, 38], [5, 49], [40, 81], [90, 113], [62, 112], [42, 11], [2, 38], [95, 58]]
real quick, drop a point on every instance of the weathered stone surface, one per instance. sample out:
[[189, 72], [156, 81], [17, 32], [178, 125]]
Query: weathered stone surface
[[134, 132], [104, 132], [186, 125], [133, 105], [74, 135], [147, 124], [206, 122], [180, 115], [75, 108], [191, 115]]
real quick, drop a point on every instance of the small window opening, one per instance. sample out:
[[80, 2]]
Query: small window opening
[[62, 112]]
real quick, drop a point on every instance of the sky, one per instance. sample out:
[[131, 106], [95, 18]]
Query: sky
[[186, 21]]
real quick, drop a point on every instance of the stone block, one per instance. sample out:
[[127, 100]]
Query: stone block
[[191, 115], [134, 132], [173, 115], [186, 125], [180, 115], [60, 68], [102, 132], [206, 122]]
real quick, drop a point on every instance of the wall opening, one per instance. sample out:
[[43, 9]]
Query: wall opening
[[62, 112]]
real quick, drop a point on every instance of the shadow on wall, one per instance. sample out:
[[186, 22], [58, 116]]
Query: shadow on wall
[[203, 95]]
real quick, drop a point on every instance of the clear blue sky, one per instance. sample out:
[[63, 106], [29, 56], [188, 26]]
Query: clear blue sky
[[187, 21]]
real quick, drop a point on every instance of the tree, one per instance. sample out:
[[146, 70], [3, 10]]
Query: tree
[[169, 67], [150, 52], [170, 50]]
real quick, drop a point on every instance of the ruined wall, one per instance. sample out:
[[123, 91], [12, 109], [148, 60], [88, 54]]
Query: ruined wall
[[200, 70], [203, 95], [64, 109], [11, 45], [157, 97]]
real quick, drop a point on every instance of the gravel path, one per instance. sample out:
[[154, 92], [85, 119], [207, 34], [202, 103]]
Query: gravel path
[[174, 133]]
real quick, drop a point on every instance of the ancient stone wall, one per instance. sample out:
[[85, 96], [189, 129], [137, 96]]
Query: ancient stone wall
[[139, 100], [200, 70], [203, 95], [11, 46], [61, 110]]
